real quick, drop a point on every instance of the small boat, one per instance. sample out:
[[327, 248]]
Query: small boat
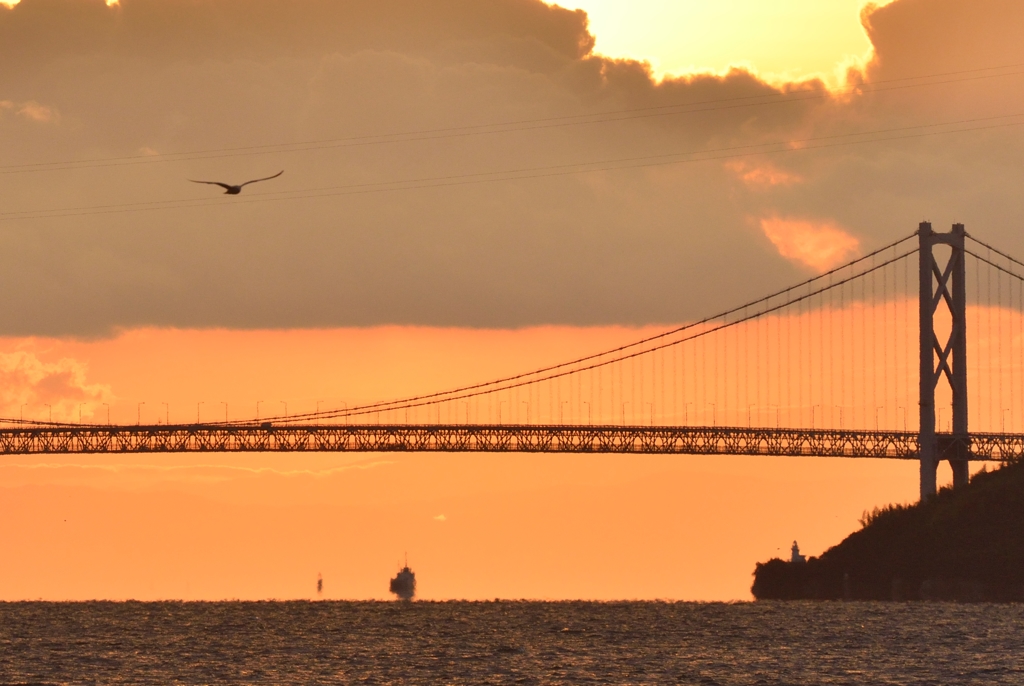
[[404, 583]]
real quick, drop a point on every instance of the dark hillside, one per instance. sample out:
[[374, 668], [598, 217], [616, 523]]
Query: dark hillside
[[964, 545]]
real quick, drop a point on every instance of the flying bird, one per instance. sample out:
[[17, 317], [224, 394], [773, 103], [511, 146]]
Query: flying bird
[[235, 190]]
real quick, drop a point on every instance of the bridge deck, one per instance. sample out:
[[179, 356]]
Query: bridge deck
[[693, 440]]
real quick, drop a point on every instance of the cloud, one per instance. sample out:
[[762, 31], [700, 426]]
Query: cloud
[[759, 176], [818, 245], [39, 113], [984, 33], [32, 111], [454, 163], [440, 518], [25, 380]]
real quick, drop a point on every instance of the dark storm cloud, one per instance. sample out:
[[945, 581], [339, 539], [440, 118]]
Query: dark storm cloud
[[649, 244]]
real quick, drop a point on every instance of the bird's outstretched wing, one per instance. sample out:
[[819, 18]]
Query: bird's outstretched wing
[[213, 183], [265, 178]]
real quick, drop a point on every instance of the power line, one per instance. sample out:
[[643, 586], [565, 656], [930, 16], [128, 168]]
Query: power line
[[525, 173], [775, 98]]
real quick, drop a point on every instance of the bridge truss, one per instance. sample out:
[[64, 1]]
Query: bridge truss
[[635, 440], [850, 353]]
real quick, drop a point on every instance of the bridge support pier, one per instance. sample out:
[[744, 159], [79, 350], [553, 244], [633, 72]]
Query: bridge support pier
[[943, 283], [961, 472]]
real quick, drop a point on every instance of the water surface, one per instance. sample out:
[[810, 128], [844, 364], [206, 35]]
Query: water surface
[[511, 643]]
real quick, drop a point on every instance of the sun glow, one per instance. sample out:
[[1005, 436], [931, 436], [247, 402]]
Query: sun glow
[[781, 40]]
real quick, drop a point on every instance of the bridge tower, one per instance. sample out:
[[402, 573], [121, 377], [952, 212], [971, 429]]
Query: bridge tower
[[943, 283]]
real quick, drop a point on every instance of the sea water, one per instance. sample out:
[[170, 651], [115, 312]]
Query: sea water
[[506, 642]]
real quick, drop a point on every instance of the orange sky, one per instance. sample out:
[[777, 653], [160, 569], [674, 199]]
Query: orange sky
[[471, 190], [475, 526]]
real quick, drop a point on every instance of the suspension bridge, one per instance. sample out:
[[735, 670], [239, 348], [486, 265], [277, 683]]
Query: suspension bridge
[[868, 360]]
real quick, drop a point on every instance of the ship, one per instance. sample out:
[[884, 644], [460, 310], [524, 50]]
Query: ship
[[404, 583]]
